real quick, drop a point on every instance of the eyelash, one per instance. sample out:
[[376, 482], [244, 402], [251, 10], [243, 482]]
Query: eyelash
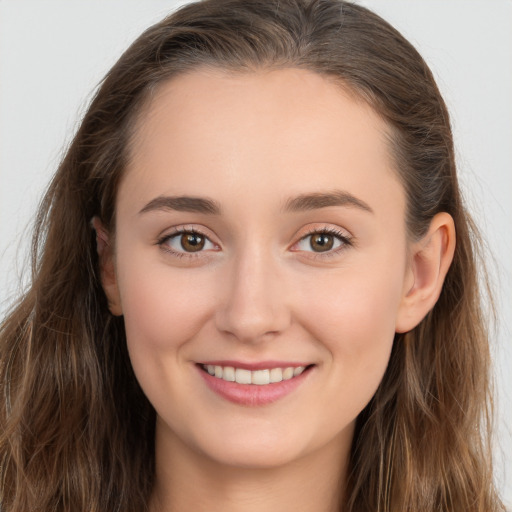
[[346, 241], [179, 232]]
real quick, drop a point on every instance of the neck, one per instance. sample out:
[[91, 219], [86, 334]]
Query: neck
[[187, 480]]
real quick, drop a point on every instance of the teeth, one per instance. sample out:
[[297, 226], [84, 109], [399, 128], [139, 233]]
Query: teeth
[[257, 377], [260, 377], [242, 376], [228, 373], [276, 375], [287, 373], [298, 370]]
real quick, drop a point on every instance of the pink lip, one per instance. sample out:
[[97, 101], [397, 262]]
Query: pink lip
[[252, 394]]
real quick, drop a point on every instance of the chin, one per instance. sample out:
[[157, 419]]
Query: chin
[[255, 457]]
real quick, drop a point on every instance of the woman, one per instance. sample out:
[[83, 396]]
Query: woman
[[254, 282]]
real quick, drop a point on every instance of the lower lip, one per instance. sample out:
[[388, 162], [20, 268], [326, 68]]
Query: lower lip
[[253, 394]]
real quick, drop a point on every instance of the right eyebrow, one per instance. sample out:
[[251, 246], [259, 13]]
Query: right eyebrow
[[183, 204], [318, 200]]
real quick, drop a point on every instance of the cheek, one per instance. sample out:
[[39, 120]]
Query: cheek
[[163, 309], [353, 316], [353, 309]]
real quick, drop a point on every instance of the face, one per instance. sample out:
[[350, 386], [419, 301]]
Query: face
[[260, 237]]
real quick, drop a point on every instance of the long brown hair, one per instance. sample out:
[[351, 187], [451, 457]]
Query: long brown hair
[[76, 431]]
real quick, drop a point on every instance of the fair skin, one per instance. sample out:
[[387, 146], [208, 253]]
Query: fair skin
[[267, 277]]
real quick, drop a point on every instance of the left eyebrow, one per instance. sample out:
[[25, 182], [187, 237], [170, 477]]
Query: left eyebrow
[[183, 204], [318, 200]]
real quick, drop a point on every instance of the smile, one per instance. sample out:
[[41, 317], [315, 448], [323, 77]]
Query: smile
[[253, 384], [257, 377]]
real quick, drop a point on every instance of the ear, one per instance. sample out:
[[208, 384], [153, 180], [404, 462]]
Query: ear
[[107, 267], [430, 259]]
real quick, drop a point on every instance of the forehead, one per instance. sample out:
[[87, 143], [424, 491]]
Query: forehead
[[287, 131]]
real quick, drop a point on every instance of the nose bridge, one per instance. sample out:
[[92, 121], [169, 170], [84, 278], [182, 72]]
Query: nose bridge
[[254, 302]]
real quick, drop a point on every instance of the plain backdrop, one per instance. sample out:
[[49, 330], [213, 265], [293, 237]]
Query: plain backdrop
[[53, 53]]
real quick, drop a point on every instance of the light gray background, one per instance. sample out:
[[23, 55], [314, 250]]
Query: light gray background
[[54, 52]]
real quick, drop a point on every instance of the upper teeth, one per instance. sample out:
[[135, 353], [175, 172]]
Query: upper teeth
[[258, 377]]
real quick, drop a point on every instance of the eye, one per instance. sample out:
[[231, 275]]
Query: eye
[[323, 241], [186, 241]]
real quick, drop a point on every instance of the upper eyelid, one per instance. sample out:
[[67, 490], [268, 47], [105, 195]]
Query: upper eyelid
[[345, 239], [164, 238], [177, 231], [324, 228], [342, 233], [186, 228], [332, 231]]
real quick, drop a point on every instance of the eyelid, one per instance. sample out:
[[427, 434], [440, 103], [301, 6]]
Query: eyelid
[[180, 230], [346, 239]]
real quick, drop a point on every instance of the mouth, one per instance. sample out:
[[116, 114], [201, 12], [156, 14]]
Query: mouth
[[260, 377], [255, 384]]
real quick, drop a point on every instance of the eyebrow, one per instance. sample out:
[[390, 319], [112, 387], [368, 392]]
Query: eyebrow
[[319, 200], [303, 202], [183, 204]]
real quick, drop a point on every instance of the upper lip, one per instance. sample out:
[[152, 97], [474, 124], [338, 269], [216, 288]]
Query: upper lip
[[260, 365]]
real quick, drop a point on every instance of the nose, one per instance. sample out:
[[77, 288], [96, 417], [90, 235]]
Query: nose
[[254, 306]]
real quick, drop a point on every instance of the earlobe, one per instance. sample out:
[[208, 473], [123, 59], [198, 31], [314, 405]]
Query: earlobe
[[107, 268], [430, 260]]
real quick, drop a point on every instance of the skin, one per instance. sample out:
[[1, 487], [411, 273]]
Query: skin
[[259, 290]]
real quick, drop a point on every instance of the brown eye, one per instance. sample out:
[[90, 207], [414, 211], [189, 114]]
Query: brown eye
[[321, 242], [189, 243], [192, 242]]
